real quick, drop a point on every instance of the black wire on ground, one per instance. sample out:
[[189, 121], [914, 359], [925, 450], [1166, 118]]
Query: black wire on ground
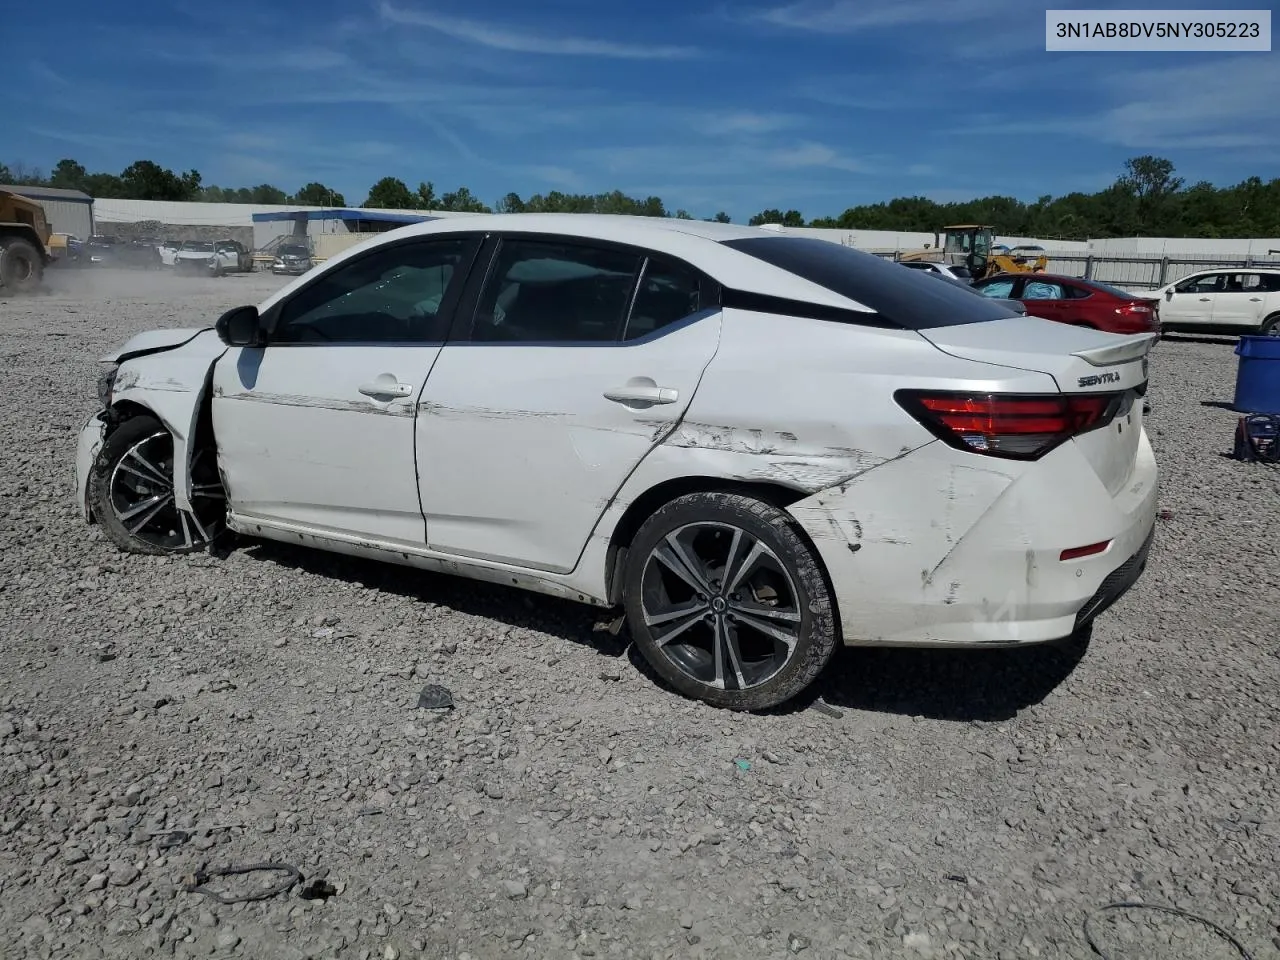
[[197, 884], [1176, 911]]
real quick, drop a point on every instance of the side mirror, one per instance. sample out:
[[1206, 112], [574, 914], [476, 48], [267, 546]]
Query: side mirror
[[240, 327], [1168, 294]]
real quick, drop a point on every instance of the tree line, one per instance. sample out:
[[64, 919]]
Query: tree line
[[1146, 199]]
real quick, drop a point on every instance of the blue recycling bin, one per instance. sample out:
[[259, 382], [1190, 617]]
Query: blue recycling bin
[[1258, 375]]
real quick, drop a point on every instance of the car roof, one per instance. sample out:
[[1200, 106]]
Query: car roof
[[599, 226], [1051, 277], [1196, 273], [698, 242]]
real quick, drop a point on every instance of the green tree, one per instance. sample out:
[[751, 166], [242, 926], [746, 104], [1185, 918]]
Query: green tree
[[721, 217], [462, 201], [69, 175], [391, 193], [266, 193], [426, 198], [318, 195], [511, 203], [104, 185], [147, 180], [683, 215], [792, 218]]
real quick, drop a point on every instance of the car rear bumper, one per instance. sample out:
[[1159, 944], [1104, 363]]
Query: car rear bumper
[[946, 548], [92, 435]]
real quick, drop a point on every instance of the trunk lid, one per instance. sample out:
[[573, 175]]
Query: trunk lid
[[1080, 360]]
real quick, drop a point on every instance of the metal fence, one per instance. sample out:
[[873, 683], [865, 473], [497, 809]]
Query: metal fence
[[1146, 273], [1149, 273]]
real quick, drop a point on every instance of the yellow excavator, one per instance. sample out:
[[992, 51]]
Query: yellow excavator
[[972, 246], [24, 244]]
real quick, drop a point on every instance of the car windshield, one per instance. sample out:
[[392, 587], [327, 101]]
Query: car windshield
[[293, 252], [198, 247], [904, 298]]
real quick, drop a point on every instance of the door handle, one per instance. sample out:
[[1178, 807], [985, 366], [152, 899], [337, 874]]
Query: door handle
[[385, 385], [1204, 299], [642, 393], [1255, 299]]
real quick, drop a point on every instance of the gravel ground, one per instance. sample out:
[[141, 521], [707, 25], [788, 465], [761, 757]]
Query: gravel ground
[[959, 805]]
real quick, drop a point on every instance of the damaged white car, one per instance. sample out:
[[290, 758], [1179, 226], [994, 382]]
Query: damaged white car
[[756, 447]]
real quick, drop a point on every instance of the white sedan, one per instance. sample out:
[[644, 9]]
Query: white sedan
[[757, 447]]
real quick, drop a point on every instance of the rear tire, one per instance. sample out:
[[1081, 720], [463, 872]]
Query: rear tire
[[1270, 326], [728, 602], [21, 267], [131, 493]]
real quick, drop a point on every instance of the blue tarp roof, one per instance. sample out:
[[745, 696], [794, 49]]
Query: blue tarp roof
[[341, 215]]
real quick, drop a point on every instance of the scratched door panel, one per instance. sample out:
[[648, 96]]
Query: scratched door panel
[[300, 444], [520, 451]]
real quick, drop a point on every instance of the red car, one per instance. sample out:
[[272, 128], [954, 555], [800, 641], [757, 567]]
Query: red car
[[1084, 303]]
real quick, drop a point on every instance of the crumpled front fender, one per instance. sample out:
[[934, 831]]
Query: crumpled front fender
[[173, 385]]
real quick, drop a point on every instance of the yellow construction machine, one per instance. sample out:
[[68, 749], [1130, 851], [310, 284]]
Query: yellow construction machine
[[972, 246], [24, 244]]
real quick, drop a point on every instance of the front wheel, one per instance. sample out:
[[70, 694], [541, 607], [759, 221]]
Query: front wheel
[[1271, 326], [727, 601], [21, 266], [131, 493]]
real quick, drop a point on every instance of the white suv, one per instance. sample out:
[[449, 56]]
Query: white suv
[[1242, 301]]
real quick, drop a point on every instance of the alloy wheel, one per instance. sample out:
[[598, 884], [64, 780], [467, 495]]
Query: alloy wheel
[[721, 605], [142, 496]]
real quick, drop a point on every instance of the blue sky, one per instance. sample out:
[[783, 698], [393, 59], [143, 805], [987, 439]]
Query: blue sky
[[709, 104]]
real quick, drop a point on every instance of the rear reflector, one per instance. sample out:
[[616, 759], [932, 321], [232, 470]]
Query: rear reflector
[[1016, 426], [1075, 553]]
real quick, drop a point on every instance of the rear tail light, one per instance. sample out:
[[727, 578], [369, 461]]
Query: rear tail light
[[1015, 426]]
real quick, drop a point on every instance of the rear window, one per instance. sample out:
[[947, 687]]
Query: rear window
[[902, 297], [1114, 291]]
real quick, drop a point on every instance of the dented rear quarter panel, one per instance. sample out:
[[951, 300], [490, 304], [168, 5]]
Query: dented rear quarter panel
[[808, 405]]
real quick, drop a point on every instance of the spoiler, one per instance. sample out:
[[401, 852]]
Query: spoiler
[[1132, 347]]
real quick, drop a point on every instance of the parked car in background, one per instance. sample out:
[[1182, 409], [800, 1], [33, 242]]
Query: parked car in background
[[242, 255], [213, 258], [168, 251], [754, 447], [1017, 306], [111, 251], [1081, 303], [292, 259], [1231, 301], [955, 271]]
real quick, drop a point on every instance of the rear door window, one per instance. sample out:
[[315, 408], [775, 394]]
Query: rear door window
[[546, 291], [668, 293], [1000, 289], [1042, 290]]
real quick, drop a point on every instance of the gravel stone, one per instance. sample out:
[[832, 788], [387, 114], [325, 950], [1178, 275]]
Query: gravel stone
[[555, 814]]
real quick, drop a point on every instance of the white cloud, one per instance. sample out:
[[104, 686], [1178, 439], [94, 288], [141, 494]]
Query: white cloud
[[853, 16], [506, 38], [813, 155], [1213, 104], [744, 122]]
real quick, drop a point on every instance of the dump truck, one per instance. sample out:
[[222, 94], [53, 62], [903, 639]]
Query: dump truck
[[24, 244]]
